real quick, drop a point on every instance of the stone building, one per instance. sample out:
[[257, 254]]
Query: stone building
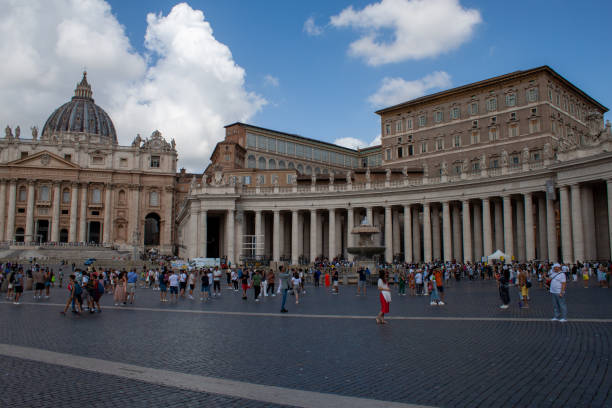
[[74, 183], [519, 162]]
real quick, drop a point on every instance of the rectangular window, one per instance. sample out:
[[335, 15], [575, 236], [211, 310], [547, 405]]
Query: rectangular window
[[68, 157], [98, 160], [439, 144], [534, 126], [44, 193], [513, 131], [422, 120], [550, 95], [572, 108], [512, 115], [474, 108], [424, 147], [410, 150], [536, 156], [532, 94], [64, 212], [123, 162], [155, 161], [299, 150], [398, 126], [262, 142], [154, 199], [291, 148], [399, 140], [457, 140], [534, 111], [271, 145], [475, 137], [280, 146], [316, 154], [492, 104], [387, 129], [409, 123], [438, 116], [96, 196], [307, 152], [454, 113], [495, 163], [261, 179], [474, 124], [325, 156], [388, 151], [24, 155], [557, 99], [400, 152], [65, 196], [511, 99], [251, 140], [246, 180], [493, 134]]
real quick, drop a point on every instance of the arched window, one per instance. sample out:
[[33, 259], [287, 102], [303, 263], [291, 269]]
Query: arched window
[[291, 166], [151, 232], [272, 164], [121, 196], [281, 165], [308, 170], [300, 168], [317, 170], [261, 163], [251, 162], [66, 196], [325, 171], [154, 199]]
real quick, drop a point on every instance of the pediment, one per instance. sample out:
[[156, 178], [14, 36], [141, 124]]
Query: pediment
[[44, 159]]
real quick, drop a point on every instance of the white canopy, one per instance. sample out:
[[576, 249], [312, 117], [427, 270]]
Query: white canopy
[[497, 255]]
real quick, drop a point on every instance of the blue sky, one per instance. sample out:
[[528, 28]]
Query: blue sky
[[157, 64], [323, 92]]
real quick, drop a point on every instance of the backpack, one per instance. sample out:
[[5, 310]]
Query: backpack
[[100, 287], [77, 289], [205, 280]]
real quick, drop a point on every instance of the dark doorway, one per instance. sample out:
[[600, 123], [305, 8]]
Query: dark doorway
[[42, 231], [151, 231], [213, 226], [94, 232], [19, 235], [63, 235]]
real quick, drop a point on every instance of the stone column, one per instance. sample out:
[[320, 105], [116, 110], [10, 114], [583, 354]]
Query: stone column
[[276, 236], [436, 235], [83, 215], [416, 235], [300, 234], [551, 230], [530, 245], [519, 248], [350, 224], [508, 228], [10, 221], [203, 234], [609, 188], [369, 215], [486, 227], [239, 231], [457, 241], [427, 253], [2, 207], [332, 234], [55, 213], [408, 234], [294, 237], [567, 250], [467, 232], [167, 239], [29, 230], [542, 244], [588, 223], [477, 233], [577, 231], [74, 203], [106, 230], [396, 231], [136, 237], [314, 237], [229, 235], [259, 238], [388, 235], [446, 231], [499, 225]]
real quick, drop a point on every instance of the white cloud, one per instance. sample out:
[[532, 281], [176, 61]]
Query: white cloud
[[420, 29], [395, 90], [354, 143], [271, 80], [191, 90], [311, 28]]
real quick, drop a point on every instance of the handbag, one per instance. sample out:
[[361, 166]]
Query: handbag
[[387, 296]]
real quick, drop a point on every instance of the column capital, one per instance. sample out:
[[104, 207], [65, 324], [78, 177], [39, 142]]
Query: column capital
[[56, 183], [32, 182]]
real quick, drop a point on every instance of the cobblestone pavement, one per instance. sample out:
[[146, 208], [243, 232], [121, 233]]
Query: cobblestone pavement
[[508, 360]]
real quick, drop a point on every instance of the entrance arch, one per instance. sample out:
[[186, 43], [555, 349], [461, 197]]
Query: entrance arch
[[151, 230]]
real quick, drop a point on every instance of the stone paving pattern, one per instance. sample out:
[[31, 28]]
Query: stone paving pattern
[[450, 363]]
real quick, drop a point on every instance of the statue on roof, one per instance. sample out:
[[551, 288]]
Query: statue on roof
[[34, 132], [349, 179], [173, 143], [8, 132], [388, 174], [17, 132], [367, 175]]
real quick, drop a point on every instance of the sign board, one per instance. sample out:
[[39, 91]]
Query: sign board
[[205, 262]]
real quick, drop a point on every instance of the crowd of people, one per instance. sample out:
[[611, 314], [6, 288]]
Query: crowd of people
[[86, 286]]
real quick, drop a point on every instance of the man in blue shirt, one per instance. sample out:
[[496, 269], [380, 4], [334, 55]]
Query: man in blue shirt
[[132, 277]]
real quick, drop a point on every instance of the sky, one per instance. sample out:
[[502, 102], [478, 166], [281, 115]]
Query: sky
[[319, 69]]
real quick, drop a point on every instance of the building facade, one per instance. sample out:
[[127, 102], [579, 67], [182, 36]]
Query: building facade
[[519, 162], [75, 184]]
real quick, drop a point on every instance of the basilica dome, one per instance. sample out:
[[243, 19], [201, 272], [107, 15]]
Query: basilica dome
[[81, 115]]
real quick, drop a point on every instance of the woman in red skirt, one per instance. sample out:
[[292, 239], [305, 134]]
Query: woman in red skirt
[[385, 297]]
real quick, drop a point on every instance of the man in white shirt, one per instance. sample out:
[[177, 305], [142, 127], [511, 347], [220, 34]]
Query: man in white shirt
[[174, 285], [558, 283]]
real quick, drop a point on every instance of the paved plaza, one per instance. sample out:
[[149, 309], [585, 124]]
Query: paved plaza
[[327, 351]]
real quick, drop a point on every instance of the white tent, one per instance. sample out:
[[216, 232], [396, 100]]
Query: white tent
[[497, 256]]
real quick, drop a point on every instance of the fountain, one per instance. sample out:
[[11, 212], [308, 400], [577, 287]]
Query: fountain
[[366, 249]]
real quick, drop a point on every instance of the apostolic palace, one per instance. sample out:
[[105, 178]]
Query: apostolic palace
[[520, 162]]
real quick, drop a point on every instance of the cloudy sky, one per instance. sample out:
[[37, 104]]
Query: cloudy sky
[[316, 68]]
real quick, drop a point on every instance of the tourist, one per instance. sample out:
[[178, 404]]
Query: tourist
[[205, 286], [401, 284], [174, 280], [49, 281], [327, 280], [284, 283], [74, 297], [585, 276], [439, 282], [256, 281], [217, 282], [434, 297], [162, 279], [235, 281], [39, 282], [244, 280], [182, 283], [418, 279], [335, 282], [270, 279], [504, 292], [191, 282], [295, 282], [385, 297], [361, 282], [524, 284], [97, 293], [411, 283], [317, 277], [132, 278], [557, 283], [602, 276], [18, 285]]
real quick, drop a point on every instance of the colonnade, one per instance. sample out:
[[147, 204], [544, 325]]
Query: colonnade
[[566, 224]]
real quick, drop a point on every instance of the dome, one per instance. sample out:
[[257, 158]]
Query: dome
[[81, 115]]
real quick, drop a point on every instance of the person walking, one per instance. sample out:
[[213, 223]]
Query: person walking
[[385, 297], [256, 282], [173, 279], [504, 292], [18, 285], [217, 282], [361, 283], [557, 285], [270, 278], [132, 277], [295, 282], [524, 284], [205, 286], [163, 282], [284, 285], [74, 297]]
